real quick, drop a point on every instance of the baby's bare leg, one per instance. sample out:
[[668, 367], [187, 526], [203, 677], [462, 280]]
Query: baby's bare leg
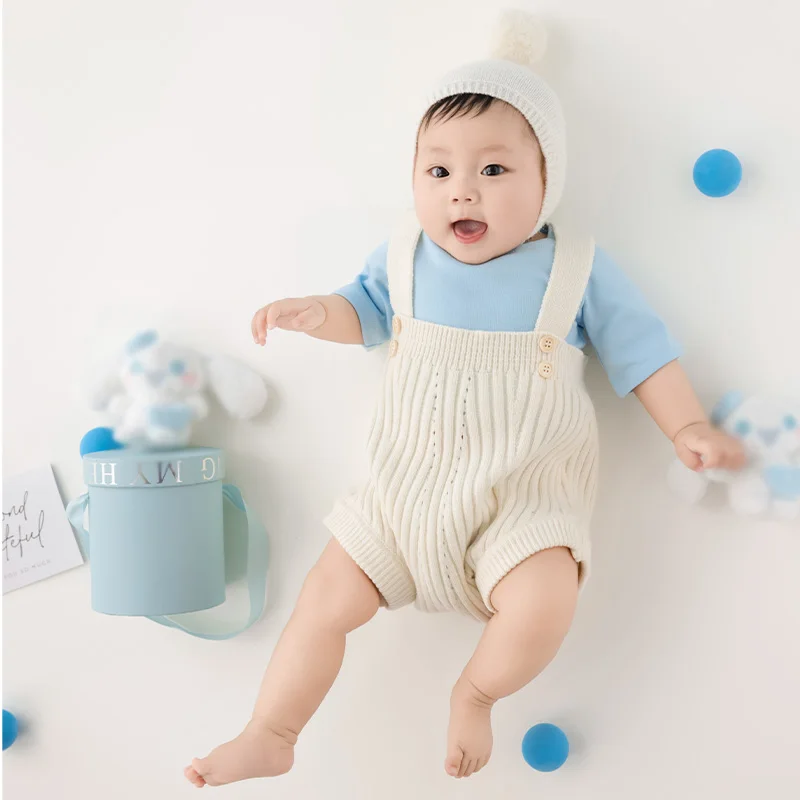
[[337, 597], [535, 604]]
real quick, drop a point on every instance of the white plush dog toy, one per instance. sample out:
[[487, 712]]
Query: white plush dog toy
[[157, 392], [770, 432]]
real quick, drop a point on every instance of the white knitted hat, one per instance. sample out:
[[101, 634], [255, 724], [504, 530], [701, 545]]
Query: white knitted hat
[[520, 42]]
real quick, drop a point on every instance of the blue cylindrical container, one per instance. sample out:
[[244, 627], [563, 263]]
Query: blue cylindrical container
[[156, 530]]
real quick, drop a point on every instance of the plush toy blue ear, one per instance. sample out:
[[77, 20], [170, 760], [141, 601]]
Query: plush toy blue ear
[[729, 402], [141, 341]]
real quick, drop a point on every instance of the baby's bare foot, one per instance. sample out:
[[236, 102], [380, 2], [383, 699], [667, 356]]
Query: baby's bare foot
[[469, 736], [259, 751]]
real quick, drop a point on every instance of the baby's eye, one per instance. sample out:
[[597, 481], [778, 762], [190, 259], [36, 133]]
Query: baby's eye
[[438, 172], [790, 422], [136, 368], [177, 367], [743, 427], [493, 169]]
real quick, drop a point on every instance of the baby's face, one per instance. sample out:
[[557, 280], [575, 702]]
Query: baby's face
[[486, 169]]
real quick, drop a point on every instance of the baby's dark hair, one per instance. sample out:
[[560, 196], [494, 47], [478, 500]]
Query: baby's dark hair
[[457, 105], [462, 105]]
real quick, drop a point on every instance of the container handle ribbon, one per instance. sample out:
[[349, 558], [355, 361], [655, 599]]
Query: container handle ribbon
[[257, 563]]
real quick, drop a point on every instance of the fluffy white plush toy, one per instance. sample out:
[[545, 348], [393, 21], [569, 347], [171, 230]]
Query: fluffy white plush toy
[[157, 392], [769, 429]]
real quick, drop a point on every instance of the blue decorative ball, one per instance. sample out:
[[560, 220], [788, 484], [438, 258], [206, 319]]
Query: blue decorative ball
[[9, 729], [545, 747], [717, 173], [99, 439]]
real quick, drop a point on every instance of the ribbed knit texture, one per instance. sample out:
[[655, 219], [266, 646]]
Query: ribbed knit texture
[[480, 456]]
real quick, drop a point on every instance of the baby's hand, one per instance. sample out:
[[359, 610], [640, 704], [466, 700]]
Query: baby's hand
[[301, 314], [702, 446]]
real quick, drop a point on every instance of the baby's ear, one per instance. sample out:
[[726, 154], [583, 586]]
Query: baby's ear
[[729, 402], [240, 390]]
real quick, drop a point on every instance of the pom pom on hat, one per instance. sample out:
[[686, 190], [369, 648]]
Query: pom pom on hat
[[519, 37]]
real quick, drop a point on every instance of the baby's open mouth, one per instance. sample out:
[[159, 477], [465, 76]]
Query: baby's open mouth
[[468, 231]]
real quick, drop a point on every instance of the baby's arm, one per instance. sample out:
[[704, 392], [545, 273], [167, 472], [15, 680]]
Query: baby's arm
[[671, 401], [639, 355], [359, 313], [328, 317]]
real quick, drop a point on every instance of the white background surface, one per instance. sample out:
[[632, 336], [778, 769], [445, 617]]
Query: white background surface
[[181, 163]]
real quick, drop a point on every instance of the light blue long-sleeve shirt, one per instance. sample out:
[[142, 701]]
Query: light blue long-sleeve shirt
[[505, 294]]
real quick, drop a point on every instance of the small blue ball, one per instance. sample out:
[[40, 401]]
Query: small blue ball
[[717, 173], [545, 747], [99, 439], [10, 729]]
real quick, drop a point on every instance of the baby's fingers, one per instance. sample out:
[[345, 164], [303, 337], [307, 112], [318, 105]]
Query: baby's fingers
[[274, 313], [712, 458], [689, 458], [259, 325]]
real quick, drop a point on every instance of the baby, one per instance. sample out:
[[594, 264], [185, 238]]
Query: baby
[[483, 450]]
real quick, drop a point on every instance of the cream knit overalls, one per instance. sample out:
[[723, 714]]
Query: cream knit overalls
[[483, 449]]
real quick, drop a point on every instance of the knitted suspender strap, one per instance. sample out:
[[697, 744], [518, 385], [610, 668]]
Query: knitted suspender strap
[[572, 266], [400, 263]]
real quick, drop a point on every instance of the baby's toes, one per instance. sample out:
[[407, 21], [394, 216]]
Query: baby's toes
[[453, 762], [202, 767], [193, 777]]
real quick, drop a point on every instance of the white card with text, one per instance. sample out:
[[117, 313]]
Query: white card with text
[[38, 540]]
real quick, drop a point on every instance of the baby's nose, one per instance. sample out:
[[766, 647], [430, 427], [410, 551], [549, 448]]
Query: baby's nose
[[463, 191], [462, 197]]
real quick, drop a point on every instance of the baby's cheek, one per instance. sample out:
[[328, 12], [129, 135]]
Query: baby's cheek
[[189, 380]]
